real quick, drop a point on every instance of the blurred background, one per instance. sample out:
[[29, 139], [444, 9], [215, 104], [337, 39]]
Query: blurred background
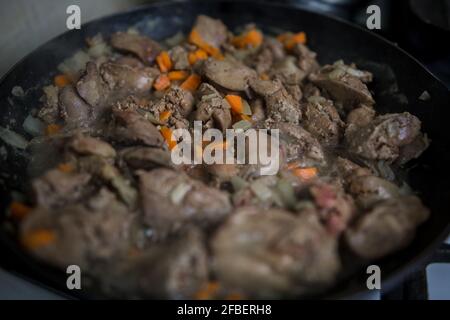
[[421, 27]]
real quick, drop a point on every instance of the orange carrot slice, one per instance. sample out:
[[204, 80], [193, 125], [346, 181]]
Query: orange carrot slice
[[66, 168], [196, 38], [165, 115], [177, 75], [52, 129], [192, 82], [197, 55], [252, 38], [162, 83], [305, 174], [19, 210], [164, 61], [38, 239], [61, 80], [235, 103], [167, 134]]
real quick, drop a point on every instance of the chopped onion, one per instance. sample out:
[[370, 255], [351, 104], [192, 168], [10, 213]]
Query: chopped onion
[[13, 139], [238, 183], [425, 96], [18, 92], [126, 192], [179, 192], [355, 72], [243, 124], [33, 126], [317, 99], [287, 193], [75, 63], [336, 74], [261, 191], [385, 170], [246, 108]]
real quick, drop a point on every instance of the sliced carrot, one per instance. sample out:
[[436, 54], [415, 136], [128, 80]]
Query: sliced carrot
[[192, 82], [252, 38], [264, 76], [289, 40], [19, 210], [66, 167], [38, 239], [162, 83], [282, 37], [293, 165], [196, 38], [208, 291], [305, 174], [236, 103], [177, 75], [52, 129], [164, 61], [165, 115], [167, 134], [61, 80], [197, 55]]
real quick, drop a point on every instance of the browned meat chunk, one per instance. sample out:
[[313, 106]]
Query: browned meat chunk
[[123, 79], [147, 158], [171, 199], [79, 235], [322, 120], [388, 227], [335, 208], [258, 110], [306, 59], [368, 190], [249, 247], [179, 268], [361, 116], [57, 188], [227, 74], [288, 71], [348, 169], [102, 168], [310, 90], [384, 137], [413, 150], [132, 128], [213, 107], [212, 31], [91, 86], [85, 145], [144, 48], [270, 52], [74, 110], [280, 105], [300, 145], [343, 86], [49, 112], [179, 103]]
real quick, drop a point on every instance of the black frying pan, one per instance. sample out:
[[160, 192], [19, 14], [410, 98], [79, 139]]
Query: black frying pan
[[399, 81]]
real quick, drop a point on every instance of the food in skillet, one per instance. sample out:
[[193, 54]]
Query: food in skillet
[[106, 196]]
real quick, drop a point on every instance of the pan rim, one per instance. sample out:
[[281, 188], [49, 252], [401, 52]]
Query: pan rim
[[402, 270]]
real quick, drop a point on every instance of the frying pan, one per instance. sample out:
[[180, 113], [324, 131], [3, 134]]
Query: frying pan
[[399, 81]]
